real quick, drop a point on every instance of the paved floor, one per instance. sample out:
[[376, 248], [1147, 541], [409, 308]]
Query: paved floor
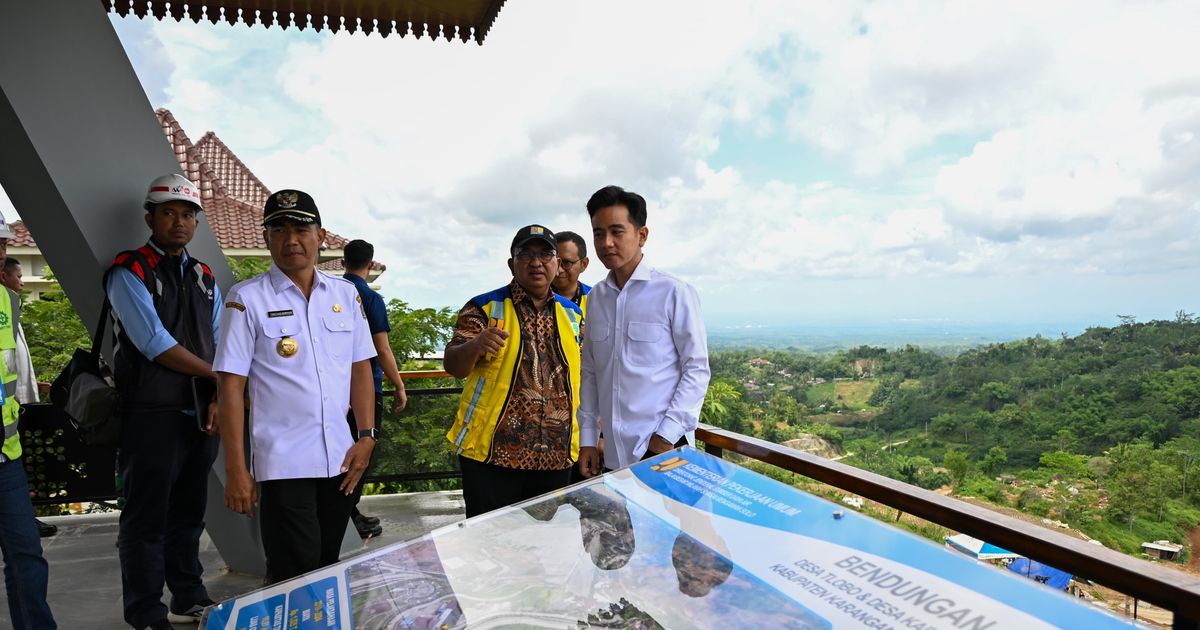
[[85, 575]]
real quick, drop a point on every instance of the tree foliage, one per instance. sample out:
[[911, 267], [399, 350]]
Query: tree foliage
[[957, 465], [994, 461], [53, 331], [417, 332], [247, 268]]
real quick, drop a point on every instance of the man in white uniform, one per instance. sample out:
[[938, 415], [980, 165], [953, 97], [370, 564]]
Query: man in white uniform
[[645, 352], [298, 338]]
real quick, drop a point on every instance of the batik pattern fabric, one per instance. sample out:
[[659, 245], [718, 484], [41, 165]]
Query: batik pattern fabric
[[534, 432]]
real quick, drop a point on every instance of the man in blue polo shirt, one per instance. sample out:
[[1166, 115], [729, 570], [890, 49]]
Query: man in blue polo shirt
[[359, 255]]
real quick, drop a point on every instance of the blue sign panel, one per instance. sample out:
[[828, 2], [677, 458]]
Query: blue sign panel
[[848, 568], [262, 615], [314, 606], [682, 540]]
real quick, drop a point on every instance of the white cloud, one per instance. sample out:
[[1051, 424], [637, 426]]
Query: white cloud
[[975, 139]]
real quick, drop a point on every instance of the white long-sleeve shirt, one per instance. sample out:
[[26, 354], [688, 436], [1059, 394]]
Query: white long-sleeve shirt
[[645, 364], [26, 381]]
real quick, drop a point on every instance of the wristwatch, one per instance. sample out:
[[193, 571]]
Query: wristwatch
[[372, 433]]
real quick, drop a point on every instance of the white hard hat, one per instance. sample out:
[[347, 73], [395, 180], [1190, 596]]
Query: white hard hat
[[5, 231], [172, 188]]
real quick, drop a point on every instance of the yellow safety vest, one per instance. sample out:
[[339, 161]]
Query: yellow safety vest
[[8, 374], [486, 391]]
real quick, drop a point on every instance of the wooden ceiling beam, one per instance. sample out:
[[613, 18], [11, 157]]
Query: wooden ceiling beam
[[446, 19]]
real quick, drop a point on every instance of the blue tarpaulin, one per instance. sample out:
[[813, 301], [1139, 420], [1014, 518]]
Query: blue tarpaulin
[[978, 549], [1038, 572]]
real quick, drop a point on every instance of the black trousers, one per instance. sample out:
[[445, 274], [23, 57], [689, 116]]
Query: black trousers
[[487, 487], [164, 462], [302, 522], [354, 434]]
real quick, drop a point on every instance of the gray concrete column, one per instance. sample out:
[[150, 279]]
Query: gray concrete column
[[79, 144]]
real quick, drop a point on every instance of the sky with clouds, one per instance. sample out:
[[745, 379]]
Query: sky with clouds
[[803, 162]]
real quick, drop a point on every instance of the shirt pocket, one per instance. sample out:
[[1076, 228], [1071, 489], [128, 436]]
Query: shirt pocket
[[595, 332], [649, 345], [274, 329], [279, 327], [339, 338]]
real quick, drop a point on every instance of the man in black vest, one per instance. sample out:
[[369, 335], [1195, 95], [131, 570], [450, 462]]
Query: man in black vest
[[166, 307]]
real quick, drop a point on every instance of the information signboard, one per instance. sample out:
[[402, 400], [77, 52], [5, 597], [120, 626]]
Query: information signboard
[[684, 540]]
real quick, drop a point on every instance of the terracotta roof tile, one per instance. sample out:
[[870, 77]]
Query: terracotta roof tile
[[239, 182], [21, 236], [190, 160], [339, 265], [232, 195]]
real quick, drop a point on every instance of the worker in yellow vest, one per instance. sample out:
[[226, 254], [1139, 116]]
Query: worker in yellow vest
[[518, 348], [26, 573]]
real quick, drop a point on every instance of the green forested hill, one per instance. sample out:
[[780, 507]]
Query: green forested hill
[[1082, 394], [1099, 430]]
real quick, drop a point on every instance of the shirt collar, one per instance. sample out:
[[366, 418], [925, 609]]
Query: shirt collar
[[280, 282], [641, 272], [519, 295], [356, 279], [183, 257]]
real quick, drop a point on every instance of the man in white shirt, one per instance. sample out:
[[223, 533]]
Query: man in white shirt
[[645, 351], [297, 342]]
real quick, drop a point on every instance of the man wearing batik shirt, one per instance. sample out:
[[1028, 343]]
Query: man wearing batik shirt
[[518, 347]]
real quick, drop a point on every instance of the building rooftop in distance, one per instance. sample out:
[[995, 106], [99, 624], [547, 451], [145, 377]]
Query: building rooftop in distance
[[232, 196]]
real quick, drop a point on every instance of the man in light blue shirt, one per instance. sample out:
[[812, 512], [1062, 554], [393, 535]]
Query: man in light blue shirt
[[128, 295], [165, 306]]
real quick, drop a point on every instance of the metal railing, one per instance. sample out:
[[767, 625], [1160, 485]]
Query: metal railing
[[1173, 590], [418, 393], [62, 469]]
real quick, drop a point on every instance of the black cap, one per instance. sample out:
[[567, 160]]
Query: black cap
[[533, 233], [295, 205]]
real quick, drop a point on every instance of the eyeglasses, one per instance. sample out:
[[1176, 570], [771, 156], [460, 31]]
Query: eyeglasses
[[527, 255], [567, 264]]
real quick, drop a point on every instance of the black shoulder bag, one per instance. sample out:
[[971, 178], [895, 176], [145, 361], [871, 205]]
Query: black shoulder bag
[[86, 393]]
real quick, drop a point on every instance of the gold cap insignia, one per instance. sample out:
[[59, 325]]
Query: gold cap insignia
[[287, 200], [287, 347]]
